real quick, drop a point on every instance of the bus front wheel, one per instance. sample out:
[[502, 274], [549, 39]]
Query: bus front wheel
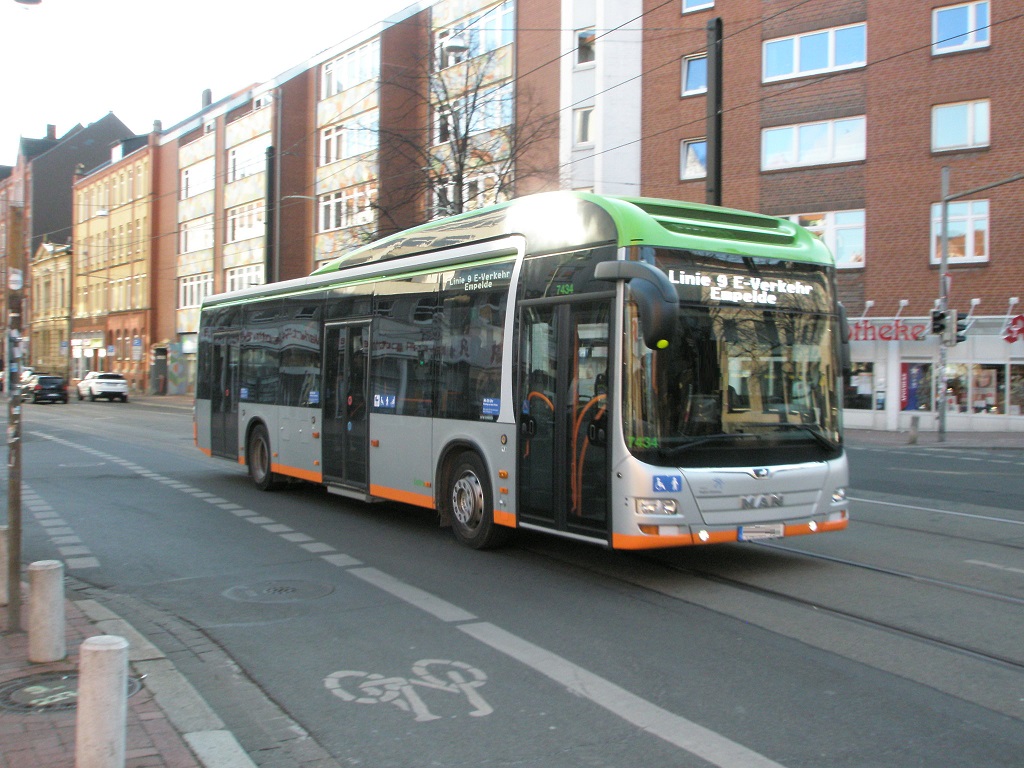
[[469, 504], [258, 458]]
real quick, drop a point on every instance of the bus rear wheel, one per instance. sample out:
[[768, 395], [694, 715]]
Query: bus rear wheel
[[258, 459], [470, 506]]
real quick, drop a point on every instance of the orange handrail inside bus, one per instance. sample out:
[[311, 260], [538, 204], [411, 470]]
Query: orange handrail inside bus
[[577, 470]]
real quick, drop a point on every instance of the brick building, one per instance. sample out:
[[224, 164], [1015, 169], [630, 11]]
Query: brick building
[[842, 114]]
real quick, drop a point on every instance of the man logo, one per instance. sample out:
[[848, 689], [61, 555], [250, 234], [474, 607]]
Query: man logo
[[762, 501]]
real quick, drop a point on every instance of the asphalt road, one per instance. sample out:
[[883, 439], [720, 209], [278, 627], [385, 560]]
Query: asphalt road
[[894, 643]]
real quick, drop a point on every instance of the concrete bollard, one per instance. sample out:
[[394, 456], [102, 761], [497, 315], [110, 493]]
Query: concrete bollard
[[3, 565], [915, 423], [101, 720], [46, 635]]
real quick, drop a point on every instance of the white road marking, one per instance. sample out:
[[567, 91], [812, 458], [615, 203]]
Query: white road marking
[[940, 511], [676, 730], [415, 596], [995, 566]]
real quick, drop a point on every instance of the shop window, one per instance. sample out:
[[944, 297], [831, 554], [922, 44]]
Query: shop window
[[1016, 392], [860, 387], [916, 387], [988, 383], [956, 389]]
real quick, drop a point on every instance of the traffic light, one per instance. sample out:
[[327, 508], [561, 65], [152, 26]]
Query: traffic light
[[959, 328], [939, 320]]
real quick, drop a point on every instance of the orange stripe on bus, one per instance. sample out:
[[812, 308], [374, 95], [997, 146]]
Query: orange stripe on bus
[[406, 497], [626, 541], [505, 518], [301, 474]]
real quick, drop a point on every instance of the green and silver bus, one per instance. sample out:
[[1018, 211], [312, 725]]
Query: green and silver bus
[[632, 372]]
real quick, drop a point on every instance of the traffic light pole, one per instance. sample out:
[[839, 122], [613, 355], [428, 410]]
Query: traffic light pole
[[943, 300]]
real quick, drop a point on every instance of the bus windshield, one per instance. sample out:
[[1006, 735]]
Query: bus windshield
[[749, 377]]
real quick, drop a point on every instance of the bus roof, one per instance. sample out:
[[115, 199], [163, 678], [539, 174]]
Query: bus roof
[[553, 221], [557, 221]]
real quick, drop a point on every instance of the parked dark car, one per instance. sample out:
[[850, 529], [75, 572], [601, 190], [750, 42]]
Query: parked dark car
[[46, 389]]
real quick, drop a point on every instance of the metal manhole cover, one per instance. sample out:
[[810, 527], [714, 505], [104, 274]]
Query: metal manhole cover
[[48, 692], [280, 591]]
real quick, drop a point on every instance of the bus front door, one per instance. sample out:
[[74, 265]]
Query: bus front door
[[344, 431], [563, 461], [224, 396]]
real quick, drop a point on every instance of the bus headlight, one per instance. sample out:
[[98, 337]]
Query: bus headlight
[[838, 495], [656, 506]]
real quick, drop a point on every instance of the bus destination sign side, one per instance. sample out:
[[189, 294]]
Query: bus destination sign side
[[479, 279]]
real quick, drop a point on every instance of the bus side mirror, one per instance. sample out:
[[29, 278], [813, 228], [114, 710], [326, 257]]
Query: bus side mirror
[[844, 342], [654, 295]]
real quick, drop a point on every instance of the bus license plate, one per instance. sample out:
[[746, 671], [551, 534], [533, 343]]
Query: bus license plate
[[755, 532]]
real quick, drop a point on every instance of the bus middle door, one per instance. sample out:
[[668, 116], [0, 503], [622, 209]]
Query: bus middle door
[[224, 396], [345, 428], [563, 374]]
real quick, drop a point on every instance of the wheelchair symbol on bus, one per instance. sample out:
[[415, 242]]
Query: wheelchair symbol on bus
[[454, 677]]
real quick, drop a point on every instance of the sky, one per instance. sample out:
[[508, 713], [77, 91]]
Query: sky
[[65, 62]]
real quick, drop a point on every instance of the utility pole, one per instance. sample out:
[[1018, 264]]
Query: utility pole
[[713, 142], [270, 216], [15, 287]]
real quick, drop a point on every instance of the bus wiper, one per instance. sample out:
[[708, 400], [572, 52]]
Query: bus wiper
[[667, 453], [814, 432]]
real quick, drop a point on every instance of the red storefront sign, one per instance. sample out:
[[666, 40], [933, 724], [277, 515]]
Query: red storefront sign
[[890, 330]]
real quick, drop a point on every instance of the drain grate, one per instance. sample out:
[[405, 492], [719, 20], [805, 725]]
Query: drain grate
[[279, 591], [47, 692]]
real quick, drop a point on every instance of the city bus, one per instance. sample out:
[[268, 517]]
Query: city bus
[[635, 373]]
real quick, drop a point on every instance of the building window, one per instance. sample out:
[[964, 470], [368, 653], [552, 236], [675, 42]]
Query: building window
[[248, 159], [477, 35], [859, 393], [356, 66], [477, 191], [960, 126], [967, 231], [347, 208], [695, 75], [693, 159], [245, 222], [826, 50], [196, 235], [582, 119], [960, 27], [841, 231], [488, 110], [193, 289], [585, 53], [697, 5], [829, 141], [198, 178], [242, 277], [348, 139], [1016, 407]]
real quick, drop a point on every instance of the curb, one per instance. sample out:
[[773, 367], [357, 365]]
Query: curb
[[188, 712]]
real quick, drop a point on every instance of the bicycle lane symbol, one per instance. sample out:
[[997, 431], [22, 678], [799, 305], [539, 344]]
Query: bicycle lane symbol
[[457, 677]]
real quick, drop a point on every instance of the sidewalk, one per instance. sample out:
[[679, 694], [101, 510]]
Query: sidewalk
[[930, 439], [168, 724]]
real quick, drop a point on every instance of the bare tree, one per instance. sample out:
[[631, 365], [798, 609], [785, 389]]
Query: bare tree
[[479, 136]]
